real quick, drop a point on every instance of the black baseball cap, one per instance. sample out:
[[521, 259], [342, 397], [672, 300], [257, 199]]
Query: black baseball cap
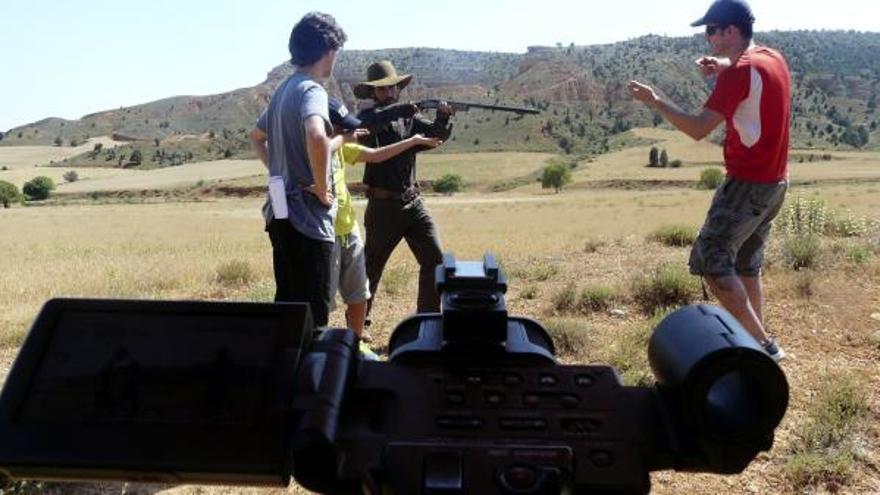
[[727, 12], [340, 116]]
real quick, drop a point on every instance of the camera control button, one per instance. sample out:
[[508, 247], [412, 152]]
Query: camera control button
[[512, 379], [601, 458], [459, 423], [548, 380], [569, 400], [532, 400], [494, 398], [523, 424], [475, 380], [519, 477], [455, 398], [581, 426], [584, 380]]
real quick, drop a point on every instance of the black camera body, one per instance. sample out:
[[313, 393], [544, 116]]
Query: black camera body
[[471, 400]]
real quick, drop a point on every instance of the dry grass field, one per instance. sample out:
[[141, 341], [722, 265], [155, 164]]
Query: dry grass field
[[554, 247]]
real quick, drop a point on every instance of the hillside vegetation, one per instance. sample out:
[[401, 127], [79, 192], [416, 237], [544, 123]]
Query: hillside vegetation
[[580, 89]]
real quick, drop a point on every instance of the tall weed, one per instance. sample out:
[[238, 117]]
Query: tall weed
[[674, 235], [824, 449], [666, 286]]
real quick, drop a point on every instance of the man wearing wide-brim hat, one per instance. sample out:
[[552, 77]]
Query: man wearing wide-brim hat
[[396, 209]]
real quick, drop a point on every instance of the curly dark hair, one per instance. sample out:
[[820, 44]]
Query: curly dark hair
[[313, 36]]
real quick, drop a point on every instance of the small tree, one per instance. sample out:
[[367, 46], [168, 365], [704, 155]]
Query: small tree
[[71, 176], [711, 178], [654, 157], [38, 188], [449, 183], [556, 176], [136, 157], [58, 141], [664, 158], [8, 193]]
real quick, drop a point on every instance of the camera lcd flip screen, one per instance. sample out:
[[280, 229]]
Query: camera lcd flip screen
[[203, 386], [152, 371]]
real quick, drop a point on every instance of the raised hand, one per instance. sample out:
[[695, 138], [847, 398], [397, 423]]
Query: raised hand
[[711, 66], [642, 92]]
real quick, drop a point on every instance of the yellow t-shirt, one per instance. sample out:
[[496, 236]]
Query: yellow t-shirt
[[346, 219]]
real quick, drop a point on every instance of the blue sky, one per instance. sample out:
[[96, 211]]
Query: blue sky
[[69, 58]]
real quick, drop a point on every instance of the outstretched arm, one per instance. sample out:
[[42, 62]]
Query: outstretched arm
[[696, 126], [376, 155]]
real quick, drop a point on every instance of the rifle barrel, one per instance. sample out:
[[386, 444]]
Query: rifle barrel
[[465, 105]]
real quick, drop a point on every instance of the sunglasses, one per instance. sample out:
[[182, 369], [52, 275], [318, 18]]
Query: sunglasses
[[713, 28]]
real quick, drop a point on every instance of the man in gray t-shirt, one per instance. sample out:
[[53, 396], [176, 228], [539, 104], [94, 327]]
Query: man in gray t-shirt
[[292, 140]]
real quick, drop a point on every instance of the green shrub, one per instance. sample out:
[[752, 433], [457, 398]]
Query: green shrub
[[711, 178], [565, 300], [667, 286], [801, 251], [846, 225], [859, 254], [570, 336], [538, 271], [235, 273], [812, 468], [8, 193], [824, 448], [674, 235], [597, 298], [136, 157], [530, 292], [800, 216], [448, 184], [556, 176], [676, 163], [38, 188]]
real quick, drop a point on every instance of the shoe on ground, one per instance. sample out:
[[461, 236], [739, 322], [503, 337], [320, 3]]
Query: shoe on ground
[[367, 354], [773, 349]]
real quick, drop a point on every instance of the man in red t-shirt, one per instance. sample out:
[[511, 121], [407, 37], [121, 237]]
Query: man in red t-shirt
[[752, 96]]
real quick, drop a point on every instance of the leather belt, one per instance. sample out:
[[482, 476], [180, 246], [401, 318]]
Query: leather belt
[[406, 195]]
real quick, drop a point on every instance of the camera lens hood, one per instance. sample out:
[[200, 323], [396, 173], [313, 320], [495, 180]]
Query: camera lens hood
[[727, 388]]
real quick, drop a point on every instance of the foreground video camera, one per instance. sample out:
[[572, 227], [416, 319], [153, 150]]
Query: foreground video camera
[[470, 401]]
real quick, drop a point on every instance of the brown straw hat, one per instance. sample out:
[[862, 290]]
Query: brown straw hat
[[380, 74]]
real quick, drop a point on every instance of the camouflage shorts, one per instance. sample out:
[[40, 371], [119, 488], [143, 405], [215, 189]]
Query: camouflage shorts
[[737, 227]]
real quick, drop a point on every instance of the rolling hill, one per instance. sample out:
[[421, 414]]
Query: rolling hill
[[580, 89]]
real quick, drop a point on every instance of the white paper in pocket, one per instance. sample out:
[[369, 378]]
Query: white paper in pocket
[[278, 196]]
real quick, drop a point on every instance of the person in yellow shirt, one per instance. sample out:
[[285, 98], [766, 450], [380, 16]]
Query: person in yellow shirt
[[348, 272]]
